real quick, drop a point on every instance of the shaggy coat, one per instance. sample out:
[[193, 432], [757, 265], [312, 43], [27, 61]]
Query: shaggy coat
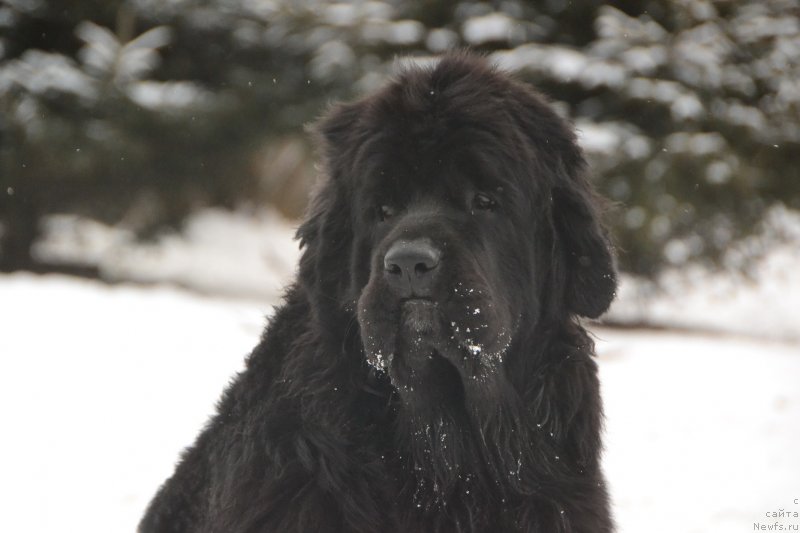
[[427, 371]]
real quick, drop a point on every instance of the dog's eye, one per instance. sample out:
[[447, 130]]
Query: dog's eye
[[483, 201], [385, 212]]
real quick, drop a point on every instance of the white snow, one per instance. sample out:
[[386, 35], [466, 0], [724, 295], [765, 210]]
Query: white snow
[[702, 431], [561, 62], [441, 39], [596, 138], [400, 32], [41, 72], [696, 143], [104, 54], [218, 252], [159, 95], [487, 28], [330, 58], [340, 14], [102, 386]]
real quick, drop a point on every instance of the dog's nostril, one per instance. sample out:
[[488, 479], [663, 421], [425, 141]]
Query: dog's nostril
[[394, 269], [422, 268]]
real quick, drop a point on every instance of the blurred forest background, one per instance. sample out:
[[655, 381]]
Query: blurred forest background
[[138, 113]]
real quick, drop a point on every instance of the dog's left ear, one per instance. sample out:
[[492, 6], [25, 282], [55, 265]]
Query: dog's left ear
[[589, 272], [591, 279]]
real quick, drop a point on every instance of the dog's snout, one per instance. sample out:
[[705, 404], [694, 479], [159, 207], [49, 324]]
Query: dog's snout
[[410, 266]]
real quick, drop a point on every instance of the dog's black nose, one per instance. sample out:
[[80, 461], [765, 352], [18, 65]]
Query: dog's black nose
[[410, 266]]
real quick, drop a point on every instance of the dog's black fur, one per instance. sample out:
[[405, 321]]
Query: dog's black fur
[[468, 404]]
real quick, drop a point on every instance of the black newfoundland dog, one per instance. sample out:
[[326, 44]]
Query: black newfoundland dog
[[427, 371]]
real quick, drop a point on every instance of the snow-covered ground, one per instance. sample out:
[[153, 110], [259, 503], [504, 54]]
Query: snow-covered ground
[[101, 386], [240, 254]]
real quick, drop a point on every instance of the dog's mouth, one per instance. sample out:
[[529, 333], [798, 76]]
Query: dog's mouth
[[419, 316], [411, 338], [425, 332]]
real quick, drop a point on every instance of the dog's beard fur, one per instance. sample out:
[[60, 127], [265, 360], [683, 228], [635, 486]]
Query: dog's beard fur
[[466, 431], [481, 441], [463, 425]]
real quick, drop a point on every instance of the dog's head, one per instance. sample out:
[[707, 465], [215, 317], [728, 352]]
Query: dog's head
[[455, 216]]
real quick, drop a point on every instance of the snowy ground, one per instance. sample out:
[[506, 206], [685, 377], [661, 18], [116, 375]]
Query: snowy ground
[[97, 402]]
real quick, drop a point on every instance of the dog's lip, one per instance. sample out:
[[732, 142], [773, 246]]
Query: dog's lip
[[417, 300], [418, 315]]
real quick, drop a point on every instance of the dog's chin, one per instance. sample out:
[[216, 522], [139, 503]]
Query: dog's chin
[[419, 317], [419, 339], [424, 350], [419, 342]]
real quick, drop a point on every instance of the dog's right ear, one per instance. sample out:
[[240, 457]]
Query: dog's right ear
[[326, 233], [337, 135], [334, 138]]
